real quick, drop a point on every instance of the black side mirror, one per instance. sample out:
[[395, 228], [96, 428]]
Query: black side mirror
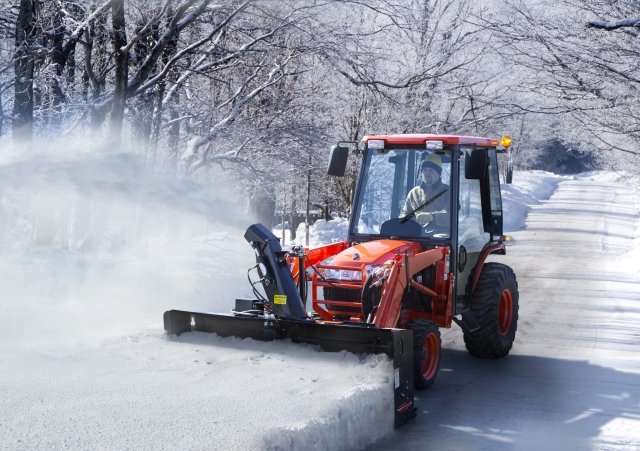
[[338, 160], [476, 164]]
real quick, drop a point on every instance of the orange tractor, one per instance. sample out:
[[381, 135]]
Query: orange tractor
[[426, 215]]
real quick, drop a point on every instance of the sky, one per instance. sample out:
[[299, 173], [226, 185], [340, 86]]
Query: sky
[[94, 248]]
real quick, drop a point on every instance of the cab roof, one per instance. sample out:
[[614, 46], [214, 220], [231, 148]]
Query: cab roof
[[421, 139]]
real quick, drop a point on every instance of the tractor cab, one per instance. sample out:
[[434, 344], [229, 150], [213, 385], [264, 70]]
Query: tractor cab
[[433, 190], [383, 205], [467, 185]]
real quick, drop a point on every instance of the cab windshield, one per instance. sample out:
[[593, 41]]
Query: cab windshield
[[397, 190]]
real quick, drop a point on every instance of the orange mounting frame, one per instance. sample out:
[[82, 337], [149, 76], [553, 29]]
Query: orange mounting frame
[[327, 313], [313, 257]]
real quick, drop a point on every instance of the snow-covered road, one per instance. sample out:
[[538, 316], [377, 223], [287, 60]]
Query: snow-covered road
[[572, 380]]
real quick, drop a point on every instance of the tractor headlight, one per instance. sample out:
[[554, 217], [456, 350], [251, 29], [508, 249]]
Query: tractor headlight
[[340, 274], [345, 275], [348, 275]]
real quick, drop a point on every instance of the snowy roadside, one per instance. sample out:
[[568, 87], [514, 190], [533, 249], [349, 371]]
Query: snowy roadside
[[632, 258]]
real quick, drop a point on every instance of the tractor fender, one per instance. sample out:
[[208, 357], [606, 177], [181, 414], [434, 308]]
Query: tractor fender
[[488, 249]]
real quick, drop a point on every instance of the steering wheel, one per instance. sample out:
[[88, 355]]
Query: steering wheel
[[429, 228], [433, 228]]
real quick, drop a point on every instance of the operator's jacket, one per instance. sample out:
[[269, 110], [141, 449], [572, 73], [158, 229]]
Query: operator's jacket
[[421, 193]]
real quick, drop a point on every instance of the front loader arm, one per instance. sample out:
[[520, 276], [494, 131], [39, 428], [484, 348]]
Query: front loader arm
[[401, 274]]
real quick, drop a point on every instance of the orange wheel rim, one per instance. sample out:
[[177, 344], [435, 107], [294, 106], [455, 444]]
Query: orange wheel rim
[[505, 312], [431, 348]]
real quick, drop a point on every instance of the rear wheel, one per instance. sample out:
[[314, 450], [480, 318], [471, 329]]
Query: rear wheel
[[495, 306], [426, 353]]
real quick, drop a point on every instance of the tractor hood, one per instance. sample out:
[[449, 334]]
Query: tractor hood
[[374, 252]]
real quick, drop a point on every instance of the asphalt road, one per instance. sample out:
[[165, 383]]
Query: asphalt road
[[572, 380]]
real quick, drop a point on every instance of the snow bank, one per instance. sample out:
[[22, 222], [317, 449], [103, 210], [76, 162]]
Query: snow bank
[[528, 188], [198, 391], [325, 232], [632, 258]]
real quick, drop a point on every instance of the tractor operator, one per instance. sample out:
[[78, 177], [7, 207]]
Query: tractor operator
[[436, 212]]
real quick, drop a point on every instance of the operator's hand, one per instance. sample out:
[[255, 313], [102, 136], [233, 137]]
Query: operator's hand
[[424, 218]]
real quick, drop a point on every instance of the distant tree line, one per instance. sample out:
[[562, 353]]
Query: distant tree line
[[261, 88]]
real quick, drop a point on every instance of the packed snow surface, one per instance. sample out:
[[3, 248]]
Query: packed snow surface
[[94, 248]]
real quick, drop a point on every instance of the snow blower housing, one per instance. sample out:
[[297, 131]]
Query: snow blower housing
[[426, 215]]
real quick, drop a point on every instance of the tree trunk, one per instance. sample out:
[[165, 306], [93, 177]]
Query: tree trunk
[[284, 214], [95, 57], [59, 57], [307, 218], [119, 39], [293, 214], [156, 117], [173, 140], [167, 54], [24, 68]]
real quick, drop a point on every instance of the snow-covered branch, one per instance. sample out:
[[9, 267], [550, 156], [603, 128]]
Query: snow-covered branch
[[615, 24], [237, 101], [188, 49]]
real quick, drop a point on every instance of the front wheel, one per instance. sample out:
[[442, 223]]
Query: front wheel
[[495, 306], [426, 353]]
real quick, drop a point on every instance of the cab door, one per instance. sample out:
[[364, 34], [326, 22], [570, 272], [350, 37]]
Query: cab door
[[472, 233]]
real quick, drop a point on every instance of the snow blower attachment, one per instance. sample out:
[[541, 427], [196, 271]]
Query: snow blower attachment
[[426, 215], [281, 315]]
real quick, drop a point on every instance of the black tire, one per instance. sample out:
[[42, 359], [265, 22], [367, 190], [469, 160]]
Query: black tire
[[426, 353], [495, 306]]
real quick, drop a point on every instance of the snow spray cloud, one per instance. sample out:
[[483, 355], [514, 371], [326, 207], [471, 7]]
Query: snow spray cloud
[[94, 243]]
